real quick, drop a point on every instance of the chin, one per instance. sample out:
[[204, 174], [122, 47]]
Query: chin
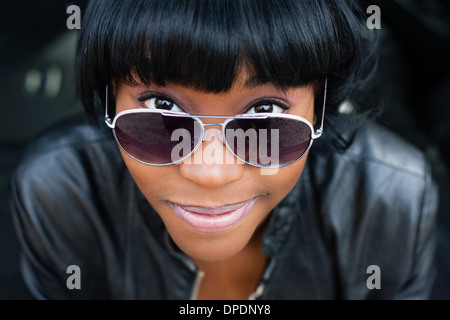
[[212, 246]]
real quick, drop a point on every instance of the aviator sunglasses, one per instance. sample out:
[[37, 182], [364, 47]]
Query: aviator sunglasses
[[264, 140]]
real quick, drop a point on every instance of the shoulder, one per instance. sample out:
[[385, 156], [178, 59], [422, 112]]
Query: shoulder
[[67, 166], [376, 155], [375, 144], [380, 177], [379, 170], [72, 149], [69, 136]]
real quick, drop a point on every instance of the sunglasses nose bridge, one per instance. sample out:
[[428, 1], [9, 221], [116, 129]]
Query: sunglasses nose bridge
[[206, 130]]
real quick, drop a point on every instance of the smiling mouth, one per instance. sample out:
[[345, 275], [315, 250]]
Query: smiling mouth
[[213, 219]]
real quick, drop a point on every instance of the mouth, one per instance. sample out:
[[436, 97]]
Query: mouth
[[213, 219]]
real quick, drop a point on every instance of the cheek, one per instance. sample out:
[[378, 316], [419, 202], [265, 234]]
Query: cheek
[[281, 181], [148, 178]]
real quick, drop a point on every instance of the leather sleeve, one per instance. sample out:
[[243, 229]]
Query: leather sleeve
[[58, 206], [50, 222], [423, 271], [379, 205]]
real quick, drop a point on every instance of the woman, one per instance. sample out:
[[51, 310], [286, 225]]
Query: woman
[[213, 187]]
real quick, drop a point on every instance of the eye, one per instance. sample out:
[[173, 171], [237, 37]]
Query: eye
[[267, 107], [161, 103]]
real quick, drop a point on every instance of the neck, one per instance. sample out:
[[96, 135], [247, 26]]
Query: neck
[[236, 277]]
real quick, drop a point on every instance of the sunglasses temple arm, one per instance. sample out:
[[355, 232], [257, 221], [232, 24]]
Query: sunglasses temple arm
[[107, 118], [319, 131]]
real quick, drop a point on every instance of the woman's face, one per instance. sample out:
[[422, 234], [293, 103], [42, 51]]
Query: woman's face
[[213, 208]]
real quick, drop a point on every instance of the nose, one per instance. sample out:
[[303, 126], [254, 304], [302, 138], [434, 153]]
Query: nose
[[212, 165]]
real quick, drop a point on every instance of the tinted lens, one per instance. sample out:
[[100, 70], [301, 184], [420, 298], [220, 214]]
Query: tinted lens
[[155, 138], [268, 142]]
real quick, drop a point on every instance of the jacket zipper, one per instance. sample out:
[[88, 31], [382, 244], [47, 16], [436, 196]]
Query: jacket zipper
[[198, 281], [258, 292]]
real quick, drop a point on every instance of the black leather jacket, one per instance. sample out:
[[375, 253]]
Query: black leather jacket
[[75, 203]]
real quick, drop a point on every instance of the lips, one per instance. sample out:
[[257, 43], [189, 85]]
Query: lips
[[213, 219]]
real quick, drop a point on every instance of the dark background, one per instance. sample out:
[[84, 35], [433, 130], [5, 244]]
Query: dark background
[[37, 89]]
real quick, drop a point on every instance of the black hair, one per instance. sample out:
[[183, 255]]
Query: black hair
[[203, 44]]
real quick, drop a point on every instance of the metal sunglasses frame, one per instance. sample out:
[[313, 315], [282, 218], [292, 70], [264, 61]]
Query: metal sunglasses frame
[[315, 134]]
